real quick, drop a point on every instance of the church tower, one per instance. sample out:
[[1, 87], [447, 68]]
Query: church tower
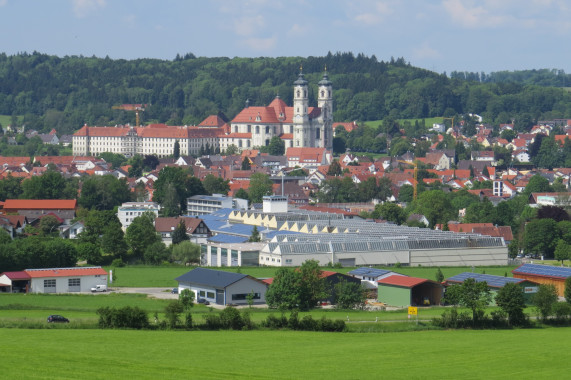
[[324, 131], [301, 131]]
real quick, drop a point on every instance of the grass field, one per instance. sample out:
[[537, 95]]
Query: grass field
[[152, 276], [124, 354], [6, 120], [428, 121]]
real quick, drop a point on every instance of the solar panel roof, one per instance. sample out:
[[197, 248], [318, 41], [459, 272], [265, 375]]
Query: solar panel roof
[[543, 270], [493, 281], [224, 238], [369, 272]]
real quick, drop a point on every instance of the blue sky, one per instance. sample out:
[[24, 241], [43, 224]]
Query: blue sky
[[439, 35]]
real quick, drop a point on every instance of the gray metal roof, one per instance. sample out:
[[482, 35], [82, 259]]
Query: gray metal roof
[[209, 277]]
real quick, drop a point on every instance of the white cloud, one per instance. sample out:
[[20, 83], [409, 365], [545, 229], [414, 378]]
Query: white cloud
[[249, 25], [130, 20], [82, 8], [376, 11], [469, 15], [260, 44], [426, 52], [298, 30]]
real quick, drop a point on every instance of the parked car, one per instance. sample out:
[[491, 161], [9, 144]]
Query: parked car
[[57, 319], [203, 301], [99, 288], [174, 291]]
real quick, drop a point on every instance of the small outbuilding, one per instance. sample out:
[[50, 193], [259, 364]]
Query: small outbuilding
[[65, 280], [370, 276], [223, 288], [403, 291], [495, 283], [544, 274]]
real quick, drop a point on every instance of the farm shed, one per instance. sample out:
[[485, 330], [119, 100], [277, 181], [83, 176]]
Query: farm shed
[[370, 276], [14, 282], [222, 287], [544, 274], [405, 291], [65, 280], [495, 283]]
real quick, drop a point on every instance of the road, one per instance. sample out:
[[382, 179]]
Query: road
[[161, 293]]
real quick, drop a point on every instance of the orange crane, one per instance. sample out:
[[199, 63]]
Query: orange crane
[[415, 176], [449, 118], [131, 107]]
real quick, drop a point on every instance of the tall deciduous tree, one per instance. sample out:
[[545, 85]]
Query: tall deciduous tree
[[141, 234], [186, 252], [184, 185], [215, 185], [510, 299], [562, 251], [103, 192], [260, 185], [349, 295], [471, 294], [179, 234], [544, 300], [541, 237], [277, 146]]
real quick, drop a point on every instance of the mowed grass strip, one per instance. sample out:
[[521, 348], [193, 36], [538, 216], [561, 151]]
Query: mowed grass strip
[[120, 354], [159, 276]]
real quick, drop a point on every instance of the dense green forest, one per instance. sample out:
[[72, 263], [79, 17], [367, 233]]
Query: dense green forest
[[65, 93]]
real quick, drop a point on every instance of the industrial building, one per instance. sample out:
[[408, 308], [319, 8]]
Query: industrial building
[[298, 235], [545, 275]]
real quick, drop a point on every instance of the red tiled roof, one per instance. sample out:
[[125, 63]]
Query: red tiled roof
[[20, 275], [40, 204], [14, 161], [407, 282], [212, 121], [65, 272]]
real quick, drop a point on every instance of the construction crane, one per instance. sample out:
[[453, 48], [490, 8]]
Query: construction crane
[[415, 175], [449, 118], [131, 107]]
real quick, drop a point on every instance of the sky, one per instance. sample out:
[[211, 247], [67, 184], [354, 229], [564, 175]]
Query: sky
[[438, 35]]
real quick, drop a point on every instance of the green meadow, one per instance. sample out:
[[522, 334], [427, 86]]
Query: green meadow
[[131, 354], [158, 276]]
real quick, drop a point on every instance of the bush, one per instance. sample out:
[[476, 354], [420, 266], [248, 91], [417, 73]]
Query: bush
[[451, 319], [188, 321], [230, 318], [274, 323], [212, 321], [126, 317], [293, 321], [172, 313], [562, 311], [117, 263], [307, 323]]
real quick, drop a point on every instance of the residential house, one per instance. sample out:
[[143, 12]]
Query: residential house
[[223, 288], [196, 229]]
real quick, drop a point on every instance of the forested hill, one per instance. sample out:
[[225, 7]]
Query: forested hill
[[65, 93]]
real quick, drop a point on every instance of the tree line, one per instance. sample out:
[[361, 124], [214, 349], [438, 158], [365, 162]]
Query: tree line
[[67, 92]]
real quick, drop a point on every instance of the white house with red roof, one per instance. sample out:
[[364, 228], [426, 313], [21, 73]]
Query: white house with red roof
[[309, 158], [55, 280]]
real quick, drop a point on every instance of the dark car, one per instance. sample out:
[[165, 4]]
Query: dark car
[[203, 301], [57, 319], [174, 291]]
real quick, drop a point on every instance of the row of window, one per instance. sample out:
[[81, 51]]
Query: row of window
[[51, 283], [204, 294]]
